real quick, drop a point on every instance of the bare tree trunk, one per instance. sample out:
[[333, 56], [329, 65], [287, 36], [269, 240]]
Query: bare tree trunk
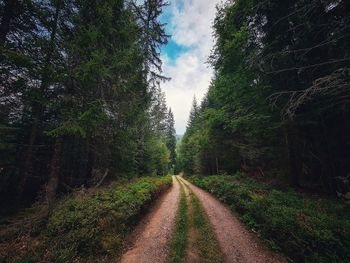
[[292, 155], [38, 110], [9, 13], [54, 177], [217, 164], [27, 170], [90, 160], [331, 164]]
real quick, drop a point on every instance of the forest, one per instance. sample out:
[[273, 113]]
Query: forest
[[80, 97], [92, 168], [278, 105]]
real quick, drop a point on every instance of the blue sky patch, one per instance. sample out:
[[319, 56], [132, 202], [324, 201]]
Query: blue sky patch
[[190, 21], [173, 50], [180, 5]]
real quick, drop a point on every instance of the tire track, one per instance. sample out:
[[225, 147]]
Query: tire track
[[203, 246], [151, 246], [236, 242]]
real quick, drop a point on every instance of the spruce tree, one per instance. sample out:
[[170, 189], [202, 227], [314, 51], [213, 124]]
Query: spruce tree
[[193, 115], [171, 137]]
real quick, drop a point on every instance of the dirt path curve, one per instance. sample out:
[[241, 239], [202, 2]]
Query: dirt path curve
[[236, 242], [151, 246]]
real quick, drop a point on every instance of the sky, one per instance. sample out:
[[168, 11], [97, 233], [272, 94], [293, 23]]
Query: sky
[[189, 22]]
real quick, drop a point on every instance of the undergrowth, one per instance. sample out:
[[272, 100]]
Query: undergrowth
[[87, 227], [304, 228]]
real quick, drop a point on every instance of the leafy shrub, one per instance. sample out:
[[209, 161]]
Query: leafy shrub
[[304, 228], [91, 227]]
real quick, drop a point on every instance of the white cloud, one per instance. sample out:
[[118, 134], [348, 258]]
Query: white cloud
[[190, 26], [190, 78]]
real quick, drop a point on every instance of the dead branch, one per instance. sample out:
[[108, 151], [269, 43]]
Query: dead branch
[[335, 86], [102, 179]]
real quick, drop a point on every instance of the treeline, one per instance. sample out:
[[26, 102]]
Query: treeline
[[79, 95], [278, 106]]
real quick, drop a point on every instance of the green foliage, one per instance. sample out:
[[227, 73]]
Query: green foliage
[[92, 226], [79, 94], [306, 229], [171, 137], [158, 156], [274, 105]]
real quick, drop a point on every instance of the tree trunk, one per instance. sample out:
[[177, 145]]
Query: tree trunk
[[38, 111], [9, 13], [292, 154], [27, 169], [91, 161], [217, 164], [332, 170], [54, 177]]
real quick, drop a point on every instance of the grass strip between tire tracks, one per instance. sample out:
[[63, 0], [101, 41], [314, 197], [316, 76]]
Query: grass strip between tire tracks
[[193, 219], [206, 240], [178, 243]]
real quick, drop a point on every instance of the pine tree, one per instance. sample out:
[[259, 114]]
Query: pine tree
[[159, 113], [278, 103], [77, 90], [193, 115], [171, 137]]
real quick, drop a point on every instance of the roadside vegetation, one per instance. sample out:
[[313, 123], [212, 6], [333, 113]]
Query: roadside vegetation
[[305, 228], [86, 227]]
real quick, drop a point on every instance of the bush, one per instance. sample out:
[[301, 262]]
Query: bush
[[304, 228], [91, 227]]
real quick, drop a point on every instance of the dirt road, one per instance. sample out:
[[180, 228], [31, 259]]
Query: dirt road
[[237, 244], [154, 233]]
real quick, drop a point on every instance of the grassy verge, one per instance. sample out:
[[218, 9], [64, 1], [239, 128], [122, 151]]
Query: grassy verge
[[87, 227], [179, 240], [304, 228]]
